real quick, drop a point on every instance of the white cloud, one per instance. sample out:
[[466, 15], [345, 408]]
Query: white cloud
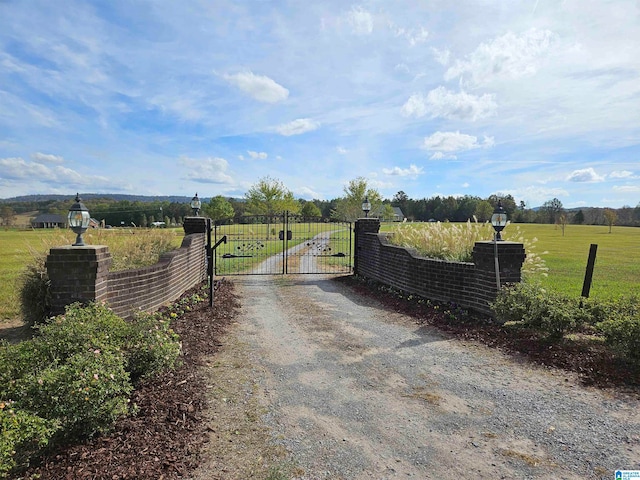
[[17, 168], [361, 21], [441, 56], [466, 185], [510, 56], [622, 174], [260, 87], [444, 103], [627, 188], [535, 195], [379, 184], [445, 144], [307, 193], [413, 36], [585, 175], [257, 155], [297, 127], [208, 170], [47, 158], [404, 172], [342, 150]]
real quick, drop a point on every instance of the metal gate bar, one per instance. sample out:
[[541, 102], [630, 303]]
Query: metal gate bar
[[280, 244]]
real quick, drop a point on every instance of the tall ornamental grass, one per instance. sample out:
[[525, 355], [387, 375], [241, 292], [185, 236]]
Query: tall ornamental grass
[[129, 249], [455, 241]]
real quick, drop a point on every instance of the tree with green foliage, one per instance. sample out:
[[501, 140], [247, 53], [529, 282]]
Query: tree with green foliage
[[483, 211], [309, 209], [8, 215], [349, 207], [578, 218], [387, 213], [610, 217], [401, 200], [269, 197], [550, 211], [218, 208]]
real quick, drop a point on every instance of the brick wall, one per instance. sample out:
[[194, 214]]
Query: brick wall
[[82, 274], [471, 285]]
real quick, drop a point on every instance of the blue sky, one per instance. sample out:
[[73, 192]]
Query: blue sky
[[539, 99]]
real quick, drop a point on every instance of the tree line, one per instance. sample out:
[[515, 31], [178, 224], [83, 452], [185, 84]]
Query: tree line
[[269, 196]]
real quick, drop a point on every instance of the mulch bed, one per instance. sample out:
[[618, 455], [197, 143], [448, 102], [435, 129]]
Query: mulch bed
[[164, 439]]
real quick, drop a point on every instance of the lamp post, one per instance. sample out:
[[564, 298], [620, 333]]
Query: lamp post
[[79, 220], [366, 206], [499, 220], [195, 204]]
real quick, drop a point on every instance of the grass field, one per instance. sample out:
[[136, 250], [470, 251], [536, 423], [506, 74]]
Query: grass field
[[617, 267], [18, 248]]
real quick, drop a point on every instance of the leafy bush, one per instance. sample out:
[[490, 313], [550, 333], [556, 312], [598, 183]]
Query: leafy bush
[[22, 434], [85, 394], [35, 295], [548, 312], [74, 378], [621, 329], [618, 320], [152, 346], [81, 329]]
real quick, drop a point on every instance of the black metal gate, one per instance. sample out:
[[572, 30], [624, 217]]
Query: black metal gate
[[280, 244]]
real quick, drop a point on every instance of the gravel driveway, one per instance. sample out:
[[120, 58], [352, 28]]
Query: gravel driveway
[[354, 391]]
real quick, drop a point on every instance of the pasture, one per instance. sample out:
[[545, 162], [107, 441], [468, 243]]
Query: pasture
[[617, 267]]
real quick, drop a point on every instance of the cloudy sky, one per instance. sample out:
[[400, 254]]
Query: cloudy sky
[[539, 99]]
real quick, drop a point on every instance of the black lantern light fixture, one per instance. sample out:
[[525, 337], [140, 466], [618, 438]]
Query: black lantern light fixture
[[195, 204], [366, 206], [499, 220], [79, 220]]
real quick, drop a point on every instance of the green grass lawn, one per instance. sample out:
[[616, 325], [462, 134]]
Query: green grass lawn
[[617, 267], [16, 247]]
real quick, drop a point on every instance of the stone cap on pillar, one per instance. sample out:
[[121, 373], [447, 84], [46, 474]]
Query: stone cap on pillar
[[194, 225], [368, 225]]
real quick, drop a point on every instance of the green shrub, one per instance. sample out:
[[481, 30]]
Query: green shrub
[[74, 378], [152, 346], [85, 394], [513, 302], [81, 329], [555, 314], [22, 435], [35, 294], [622, 332], [547, 312]]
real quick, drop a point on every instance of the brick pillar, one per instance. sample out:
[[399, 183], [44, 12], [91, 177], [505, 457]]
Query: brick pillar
[[363, 225], [77, 274], [194, 225], [511, 256]]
